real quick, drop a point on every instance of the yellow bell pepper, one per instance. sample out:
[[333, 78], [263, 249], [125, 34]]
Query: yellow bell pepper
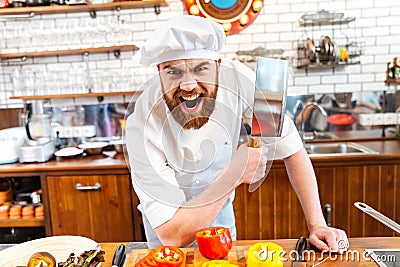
[[265, 254], [218, 263]]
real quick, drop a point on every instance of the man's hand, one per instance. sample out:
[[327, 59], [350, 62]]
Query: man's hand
[[250, 163], [329, 239]]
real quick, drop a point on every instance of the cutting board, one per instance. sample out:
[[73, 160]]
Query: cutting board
[[193, 257]]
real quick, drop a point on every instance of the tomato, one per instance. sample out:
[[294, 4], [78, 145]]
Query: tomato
[[214, 242], [266, 254]]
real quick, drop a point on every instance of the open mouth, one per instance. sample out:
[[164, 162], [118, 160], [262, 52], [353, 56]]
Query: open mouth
[[191, 102]]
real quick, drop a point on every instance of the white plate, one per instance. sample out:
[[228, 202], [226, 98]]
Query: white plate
[[58, 246], [68, 152]]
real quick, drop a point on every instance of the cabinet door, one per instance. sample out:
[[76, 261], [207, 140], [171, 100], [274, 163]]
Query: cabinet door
[[270, 212], [103, 214], [376, 185]]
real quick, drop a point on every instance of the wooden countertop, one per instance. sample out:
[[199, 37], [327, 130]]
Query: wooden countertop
[[357, 246], [388, 149]]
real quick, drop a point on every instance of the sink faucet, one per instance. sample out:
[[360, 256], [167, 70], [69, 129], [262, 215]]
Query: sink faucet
[[314, 105]]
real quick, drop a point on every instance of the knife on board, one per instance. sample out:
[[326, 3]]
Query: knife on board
[[119, 256], [269, 99], [301, 246]]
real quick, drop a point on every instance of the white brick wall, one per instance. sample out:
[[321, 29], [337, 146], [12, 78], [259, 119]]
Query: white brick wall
[[377, 24]]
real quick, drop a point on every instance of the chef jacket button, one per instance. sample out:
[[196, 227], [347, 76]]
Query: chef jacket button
[[196, 181], [226, 143]]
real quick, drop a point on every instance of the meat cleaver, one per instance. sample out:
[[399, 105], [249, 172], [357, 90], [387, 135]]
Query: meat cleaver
[[269, 99]]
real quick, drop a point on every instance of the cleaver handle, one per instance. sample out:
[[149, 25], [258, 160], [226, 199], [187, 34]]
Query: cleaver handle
[[255, 142]]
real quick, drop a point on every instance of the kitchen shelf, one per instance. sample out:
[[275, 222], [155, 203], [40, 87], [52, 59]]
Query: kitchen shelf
[[392, 81], [30, 12], [329, 65], [325, 55], [22, 223], [23, 56], [98, 95]]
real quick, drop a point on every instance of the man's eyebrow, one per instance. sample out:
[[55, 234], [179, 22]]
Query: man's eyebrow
[[201, 64]]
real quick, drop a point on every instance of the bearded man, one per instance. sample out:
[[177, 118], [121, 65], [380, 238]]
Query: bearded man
[[183, 139]]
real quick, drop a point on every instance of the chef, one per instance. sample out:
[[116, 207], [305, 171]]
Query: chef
[[183, 139]]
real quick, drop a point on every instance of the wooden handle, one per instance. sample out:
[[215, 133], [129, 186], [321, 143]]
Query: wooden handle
[[255, 142]]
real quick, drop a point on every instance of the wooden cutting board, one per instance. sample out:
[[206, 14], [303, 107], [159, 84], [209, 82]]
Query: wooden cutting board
[[193, 257]]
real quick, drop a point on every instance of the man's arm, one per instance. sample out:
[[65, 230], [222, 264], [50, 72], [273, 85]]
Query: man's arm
[[303, 180], [199, 213]]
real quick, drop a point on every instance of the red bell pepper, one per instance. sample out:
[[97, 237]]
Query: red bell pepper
[[214, 242], [163, 256]]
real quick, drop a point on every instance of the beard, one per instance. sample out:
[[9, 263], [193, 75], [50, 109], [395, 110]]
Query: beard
[[192, 120]]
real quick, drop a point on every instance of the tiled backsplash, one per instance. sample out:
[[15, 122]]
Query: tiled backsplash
[[377, 25]]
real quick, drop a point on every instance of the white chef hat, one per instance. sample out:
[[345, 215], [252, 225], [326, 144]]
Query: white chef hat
[[182, 37]]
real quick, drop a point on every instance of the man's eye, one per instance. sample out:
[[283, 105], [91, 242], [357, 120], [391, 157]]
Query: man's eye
[[174, 72], [200, 69]]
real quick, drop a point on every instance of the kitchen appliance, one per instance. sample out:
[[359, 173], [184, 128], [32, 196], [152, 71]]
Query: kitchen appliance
[[38, 145], [269, 106]]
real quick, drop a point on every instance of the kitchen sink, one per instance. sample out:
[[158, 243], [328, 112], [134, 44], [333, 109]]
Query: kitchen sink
[[319, 136], [341, 148]]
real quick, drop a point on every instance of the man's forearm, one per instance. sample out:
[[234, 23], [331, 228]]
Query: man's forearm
[[302, 178]]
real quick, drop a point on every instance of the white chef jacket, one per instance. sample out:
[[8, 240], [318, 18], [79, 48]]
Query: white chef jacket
[[170, 166]]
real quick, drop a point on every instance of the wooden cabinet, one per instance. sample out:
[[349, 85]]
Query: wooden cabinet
[[273, 211], [95, 206], [376, 185]]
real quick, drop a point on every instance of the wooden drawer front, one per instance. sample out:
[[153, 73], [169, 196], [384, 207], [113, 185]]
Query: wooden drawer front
[[103, 214]]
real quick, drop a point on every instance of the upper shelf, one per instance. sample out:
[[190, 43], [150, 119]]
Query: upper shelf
[[324, 17], [38, 10], [25, 55]]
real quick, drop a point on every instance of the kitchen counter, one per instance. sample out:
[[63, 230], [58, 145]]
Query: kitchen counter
[[357, 246], [388, 149]]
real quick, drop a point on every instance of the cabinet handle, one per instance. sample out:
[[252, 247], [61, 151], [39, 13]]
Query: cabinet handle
[[327, 214], [80, 187]]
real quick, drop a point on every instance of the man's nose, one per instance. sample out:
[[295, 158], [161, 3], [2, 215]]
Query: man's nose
[[188, 83]]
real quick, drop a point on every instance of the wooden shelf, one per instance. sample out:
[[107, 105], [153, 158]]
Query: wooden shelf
[[25, 55], [327, 66], [22, 223], [392, 81], [39, 10], [38, 97]]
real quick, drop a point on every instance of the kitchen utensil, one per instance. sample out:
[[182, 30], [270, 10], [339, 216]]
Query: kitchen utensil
[[378, 216], [119, 256], [301, 246], [269, 99]]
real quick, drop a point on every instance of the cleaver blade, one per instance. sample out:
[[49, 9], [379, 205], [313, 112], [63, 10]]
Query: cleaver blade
[[269, 99]]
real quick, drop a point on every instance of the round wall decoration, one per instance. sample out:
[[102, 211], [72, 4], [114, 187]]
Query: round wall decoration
[[233, 15]]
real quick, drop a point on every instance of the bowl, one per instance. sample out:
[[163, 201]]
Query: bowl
[[93, 148], [118, 145]]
